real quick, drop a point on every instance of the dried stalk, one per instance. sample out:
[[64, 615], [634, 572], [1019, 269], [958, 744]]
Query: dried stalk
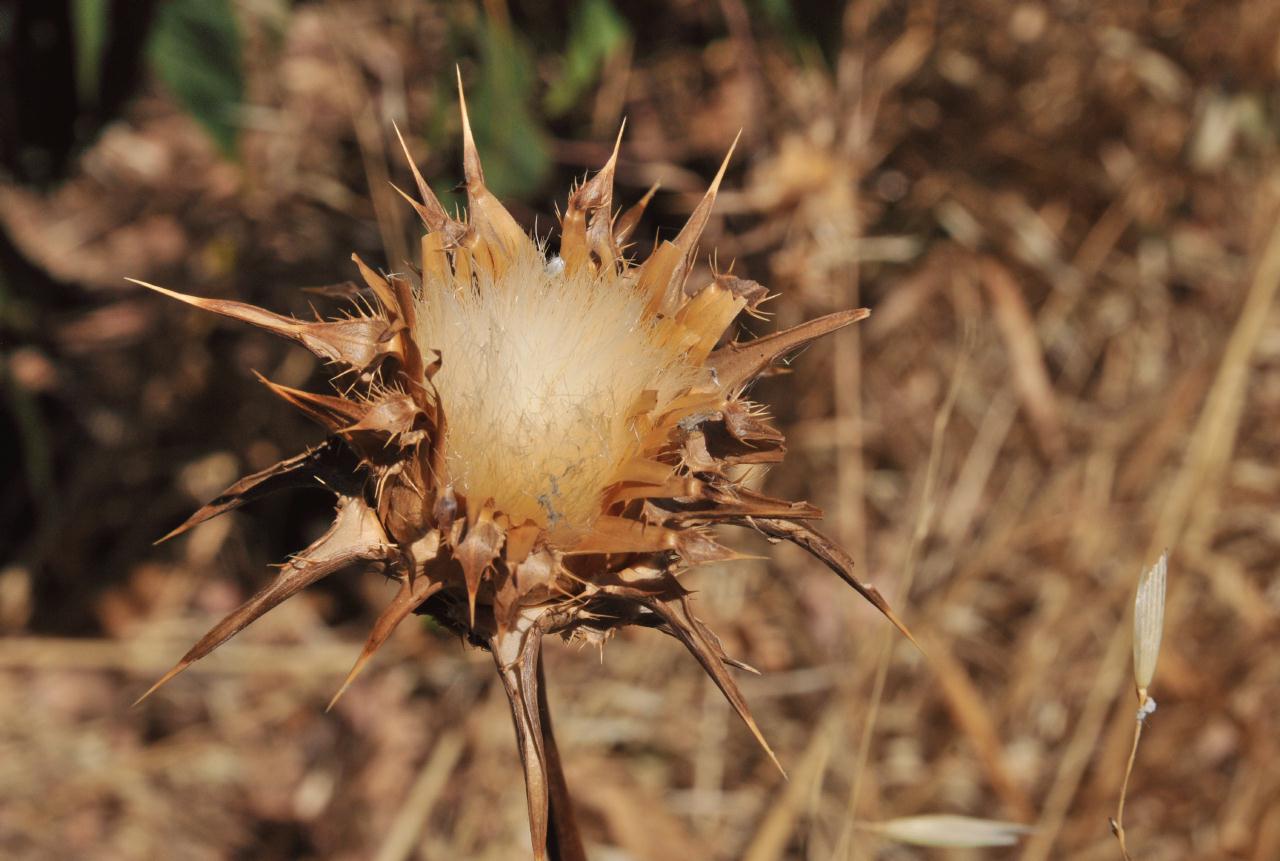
[[1148, 629], [564, 842]]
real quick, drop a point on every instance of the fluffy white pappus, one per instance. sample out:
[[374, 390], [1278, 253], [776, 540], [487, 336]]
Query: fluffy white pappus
[[540, 372]]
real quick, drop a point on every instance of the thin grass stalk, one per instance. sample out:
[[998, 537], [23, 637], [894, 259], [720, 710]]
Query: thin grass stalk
[[846, 846], [1148, 630], [1117, 823]]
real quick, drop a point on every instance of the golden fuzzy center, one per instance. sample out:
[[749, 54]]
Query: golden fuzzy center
[[542, 373]]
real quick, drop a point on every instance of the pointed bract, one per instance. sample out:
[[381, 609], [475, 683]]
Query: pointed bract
[[411, 595], [594, 200], [690, 630], [333, 413], [626, 223], [498, 237], [687, 240], [600, 238], [737, 363], [356, 536], [477, 552], [834, 557], [357, 342], [328, 464], [624, 535], [429, 209], [381, 289]]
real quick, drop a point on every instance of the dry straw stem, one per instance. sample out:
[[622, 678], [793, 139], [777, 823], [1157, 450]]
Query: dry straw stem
[[847, 846], [404, 835], [1208, 452], [770, 840], [1148, 628], [1026, 357]]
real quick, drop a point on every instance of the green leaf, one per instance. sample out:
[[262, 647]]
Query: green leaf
[[512, 142], [194, 48], [806, 35], [596, 30], [89, 22]]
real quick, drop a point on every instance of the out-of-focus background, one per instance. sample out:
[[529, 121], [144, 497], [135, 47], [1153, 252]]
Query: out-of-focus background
[[1063, 215]]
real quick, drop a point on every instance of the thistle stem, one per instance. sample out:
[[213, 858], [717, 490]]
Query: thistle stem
[[564, 843], [1117, 822]]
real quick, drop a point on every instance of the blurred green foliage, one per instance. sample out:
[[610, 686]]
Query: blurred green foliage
[[517, 155], [510, 101], [90, 22], [596, 32], [194, 48], [522, 79]]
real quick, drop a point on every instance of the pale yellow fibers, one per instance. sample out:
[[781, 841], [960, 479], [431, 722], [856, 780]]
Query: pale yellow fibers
[[539, 373]]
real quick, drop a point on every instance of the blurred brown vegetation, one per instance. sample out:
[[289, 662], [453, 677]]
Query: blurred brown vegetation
[[1062, 214]]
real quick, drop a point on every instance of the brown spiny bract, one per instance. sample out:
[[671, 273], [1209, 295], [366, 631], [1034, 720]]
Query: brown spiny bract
[[532, 445]]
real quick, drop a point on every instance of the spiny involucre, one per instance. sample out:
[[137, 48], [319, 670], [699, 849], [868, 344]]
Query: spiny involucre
[[532, 445]]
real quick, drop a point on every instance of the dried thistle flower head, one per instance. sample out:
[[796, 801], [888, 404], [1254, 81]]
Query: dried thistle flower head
[[533, 445]]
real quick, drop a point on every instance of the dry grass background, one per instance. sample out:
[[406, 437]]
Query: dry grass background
[[1064, 217]]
